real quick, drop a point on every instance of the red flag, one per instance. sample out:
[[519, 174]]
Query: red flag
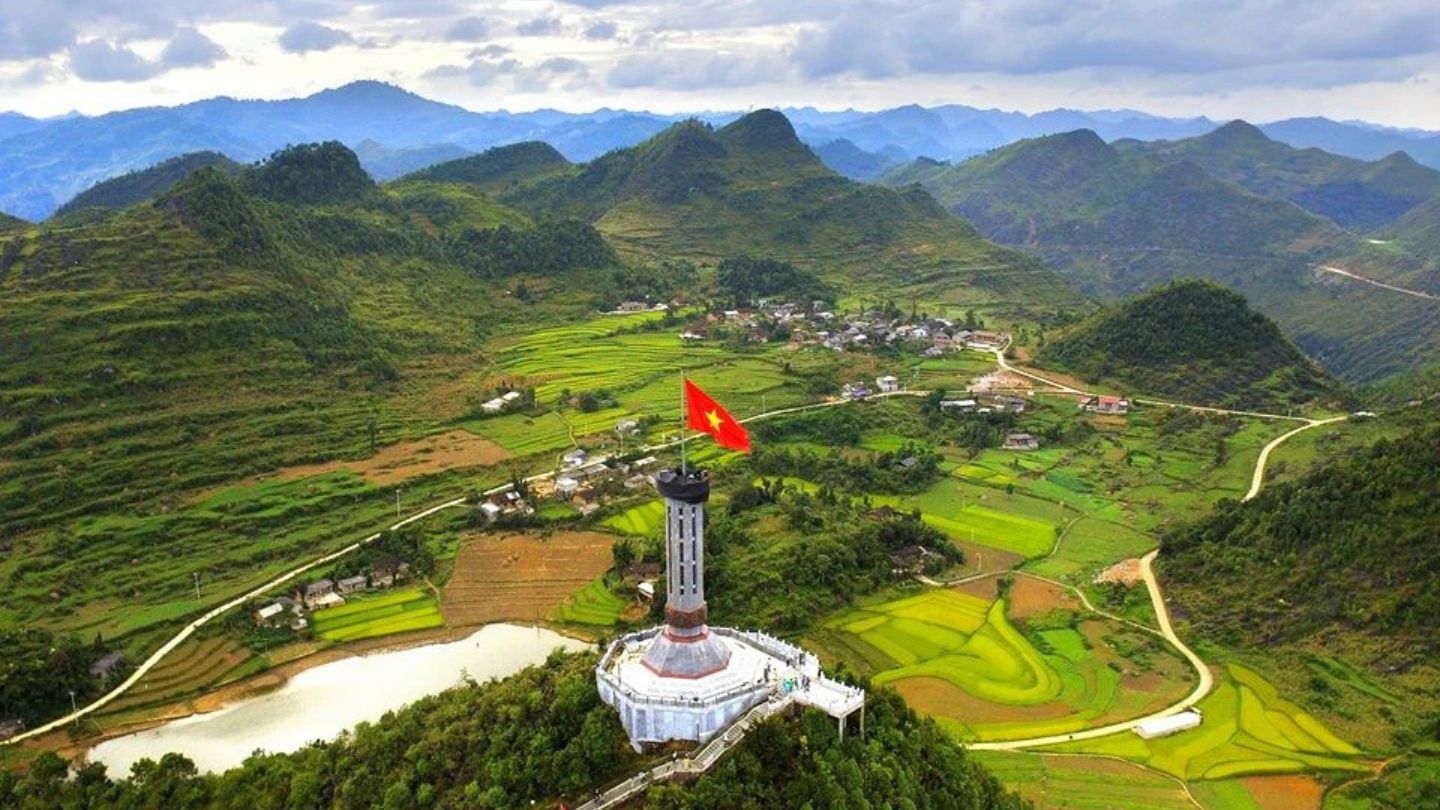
[[705, 415]]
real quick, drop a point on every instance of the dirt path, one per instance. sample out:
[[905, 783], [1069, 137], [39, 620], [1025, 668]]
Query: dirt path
[[1372, 282]]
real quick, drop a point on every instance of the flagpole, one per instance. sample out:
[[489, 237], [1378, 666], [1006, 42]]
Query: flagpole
[[684, 416]]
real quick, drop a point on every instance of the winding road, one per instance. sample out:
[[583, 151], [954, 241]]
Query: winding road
[[1156, 597], [1372, 282]]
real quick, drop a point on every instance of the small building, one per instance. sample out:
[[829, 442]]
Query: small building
[[854, 391], [269, 613], [882, 513], [317, 590], [643, 463], [634, 306], [961, 405], [934, 351], [493, 406], [647, 590], [574, 458], [689, 336], [11, 726], [510, 397], [627, 427], [1105, 405], [591, 471], [637, 481], [107, 665], [385, 573], [887, 383], [912, 560], [490, 510], [1165, 726], [565, 486], [328, 600], [352, 584], [1021, 441], [1004, 403], [981, 339]]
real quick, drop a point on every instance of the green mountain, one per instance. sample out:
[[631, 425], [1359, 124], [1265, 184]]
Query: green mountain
[[851, 161], [1346, 551], [1357, 194], [1193, 341], [9, 223], [753, 188], [1118, 223], [145, 184], [216, 333], [499, 169]]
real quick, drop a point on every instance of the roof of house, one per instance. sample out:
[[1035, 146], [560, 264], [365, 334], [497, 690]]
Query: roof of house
[[270, 610], [319, 586], [358, 579]]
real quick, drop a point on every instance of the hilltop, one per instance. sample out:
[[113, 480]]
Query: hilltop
[[752, 187], [1355, 194], [144, 184], [499, 169], [1193, 341]]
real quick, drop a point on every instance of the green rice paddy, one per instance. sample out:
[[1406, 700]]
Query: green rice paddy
[[368, 616], [643, 520], [593, 604], [1247, 728]]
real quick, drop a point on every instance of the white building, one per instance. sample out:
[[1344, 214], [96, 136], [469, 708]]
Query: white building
[[887, 383], [688, 681], [566, 486]]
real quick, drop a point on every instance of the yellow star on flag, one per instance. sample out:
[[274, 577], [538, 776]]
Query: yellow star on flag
[[715, 420]]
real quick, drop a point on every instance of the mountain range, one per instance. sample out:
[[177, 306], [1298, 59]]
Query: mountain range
[[45, 162]]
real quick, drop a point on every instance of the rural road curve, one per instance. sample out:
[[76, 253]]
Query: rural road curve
[[155, 658], [1347, 274]]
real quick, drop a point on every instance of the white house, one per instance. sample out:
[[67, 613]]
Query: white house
[[574, 458], [887, 383], [493, 406], [510, 397], [566, 486]]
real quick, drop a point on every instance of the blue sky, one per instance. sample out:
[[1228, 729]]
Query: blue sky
[[1256, 59]]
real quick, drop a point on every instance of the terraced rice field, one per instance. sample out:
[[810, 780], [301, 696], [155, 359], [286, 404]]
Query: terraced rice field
[[958, 658], [644, 520], [397, 611], [1247, 729], [593, 605], [522, 577], [193, 667], [1085, 783]]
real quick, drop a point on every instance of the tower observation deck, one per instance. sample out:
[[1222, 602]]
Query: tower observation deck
[[686, 680]]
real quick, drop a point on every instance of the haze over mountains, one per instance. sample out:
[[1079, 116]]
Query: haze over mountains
[[44, 163]]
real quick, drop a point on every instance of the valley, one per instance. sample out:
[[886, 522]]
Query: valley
[[259, 419]]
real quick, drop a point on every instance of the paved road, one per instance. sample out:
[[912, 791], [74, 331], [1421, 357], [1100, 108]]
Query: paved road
[[1257, 480], [1347, 274]]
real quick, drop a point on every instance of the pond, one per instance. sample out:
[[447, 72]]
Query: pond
[[320, 703]]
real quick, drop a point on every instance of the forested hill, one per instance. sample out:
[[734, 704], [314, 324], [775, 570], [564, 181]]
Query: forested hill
[[498, 169], [1350, 548], [540, 738], [1356, 194], [752, 187], [145, 184], [9, 223], [1196, 342]]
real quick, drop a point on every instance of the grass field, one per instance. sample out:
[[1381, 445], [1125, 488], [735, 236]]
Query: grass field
[[520, 576], [1084, 783], [1248, 728], [593, 605], [196, 665], [396, 611]]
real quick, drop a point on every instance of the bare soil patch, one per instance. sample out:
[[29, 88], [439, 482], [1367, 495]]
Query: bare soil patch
[[1002, 380], [521, 576], [984, 559], [1032, 597], [406, 460], [1125, 572], [987, 588], [1284, 792], [938, 697]]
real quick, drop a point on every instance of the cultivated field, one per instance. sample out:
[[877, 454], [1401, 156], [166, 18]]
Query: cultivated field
[[195, 666], [400, 462], [643, 520], [1248, 728], [961, 660], [366, 616], [521, 577]]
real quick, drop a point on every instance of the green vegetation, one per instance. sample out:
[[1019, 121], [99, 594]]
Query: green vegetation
[[643, 520], [1349, 547], [1247, 728], [310, 173], [145, 184], [396, 611], [595, 604], [743, 280], [1196, 342], [1088, 783], [499, 169], [40, 673]]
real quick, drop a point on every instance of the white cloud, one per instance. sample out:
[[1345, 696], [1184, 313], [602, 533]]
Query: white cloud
[[190, 48], [303, 37]]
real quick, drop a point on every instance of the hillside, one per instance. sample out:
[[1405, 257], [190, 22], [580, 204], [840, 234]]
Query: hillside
[[216, 333], [1355, 194], [849, 160], [1118, 223], [499, 169], [1347, 550], [753, 187], [543, 738], [145, 184], [1196, 342]]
